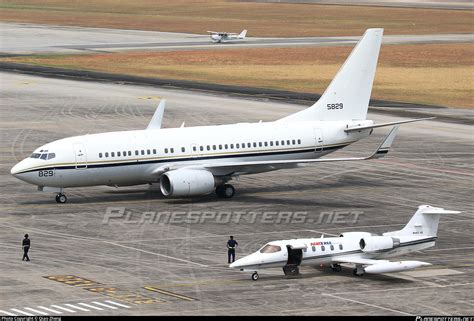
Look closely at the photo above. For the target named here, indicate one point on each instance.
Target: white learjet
(190, 161)
(366, 251)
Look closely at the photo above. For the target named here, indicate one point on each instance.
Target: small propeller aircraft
(218, 37)
(367, 252)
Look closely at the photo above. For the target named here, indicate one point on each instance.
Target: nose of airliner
(19, 167)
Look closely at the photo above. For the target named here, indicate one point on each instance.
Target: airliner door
(81, 156)
(318, 140)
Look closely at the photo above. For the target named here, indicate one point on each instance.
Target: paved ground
(19, 38)
(79, 264)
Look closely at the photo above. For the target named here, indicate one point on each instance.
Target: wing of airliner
(236, 168)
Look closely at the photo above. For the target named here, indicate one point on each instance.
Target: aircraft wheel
(225, 191)
(356, 272)
(336, 268)
(61, 198)
(255, 276)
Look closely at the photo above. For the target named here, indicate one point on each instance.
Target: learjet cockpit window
(270, 249)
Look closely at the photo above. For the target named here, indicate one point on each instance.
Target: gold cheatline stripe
(197, 156)
(179, 296)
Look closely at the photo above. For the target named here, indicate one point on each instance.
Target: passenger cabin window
(183, 149)
(100, 155)
(270, 249)
(294, 142)
(129, 153)
(136, 152)
(340, 247)
(194, 148)
(172, 150)
(314, 248)
(106, 154)
(143, 152)
(118, 154)
(148, 152)
(332, 247)
(112, 154)
(166, 150)
(299, 141)
(323, 248)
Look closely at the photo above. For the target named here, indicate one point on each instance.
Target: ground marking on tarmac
(118, 304)
(175, 295)
(63, 308)
(22, 312)
(36, 312)
(76, 307)
(50, 310)
(91, 306)
(7, 313)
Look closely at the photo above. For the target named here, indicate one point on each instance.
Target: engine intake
(378, 243)
(187, 182)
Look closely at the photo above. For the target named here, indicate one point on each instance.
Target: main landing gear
(61, 198)
(225, 191)
(358, 271)
(336, 267)
(255, 276)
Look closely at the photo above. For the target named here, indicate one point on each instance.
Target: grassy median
(261, 19)
(437, 74)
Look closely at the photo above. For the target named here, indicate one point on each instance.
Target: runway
(83, 264)
(23, 39)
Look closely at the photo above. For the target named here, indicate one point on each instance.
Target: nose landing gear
(255, 276)
(61, 198)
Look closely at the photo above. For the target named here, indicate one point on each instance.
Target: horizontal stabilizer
(355, 128)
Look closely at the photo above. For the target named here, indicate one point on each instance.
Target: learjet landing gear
(255, 276)
(61, 198)
(225, 191)
(358, 271)
(336, 267)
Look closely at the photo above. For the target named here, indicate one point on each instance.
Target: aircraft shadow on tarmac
(243, 194)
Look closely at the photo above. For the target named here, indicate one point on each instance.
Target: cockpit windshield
(270, 249)
(43, 154)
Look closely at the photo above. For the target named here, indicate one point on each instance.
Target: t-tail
(423, 223)
(348, 95)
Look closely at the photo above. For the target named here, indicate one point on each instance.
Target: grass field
(441, 74)
(261, 19)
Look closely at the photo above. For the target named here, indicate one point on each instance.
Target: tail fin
(348, 95)
(243, 34)
(423, 223)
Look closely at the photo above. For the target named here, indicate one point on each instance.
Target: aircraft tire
(61, 198)
(255, 276)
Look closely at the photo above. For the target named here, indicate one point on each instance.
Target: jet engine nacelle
(187, 182)
(394, 266)
(378, 243)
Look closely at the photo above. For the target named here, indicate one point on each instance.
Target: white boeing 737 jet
(366, 251)
(200, 160)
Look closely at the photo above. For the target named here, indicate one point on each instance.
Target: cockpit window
(43, 155)
(270, 249)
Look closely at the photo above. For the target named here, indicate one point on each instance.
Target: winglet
(386, 144)
(155, 122)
